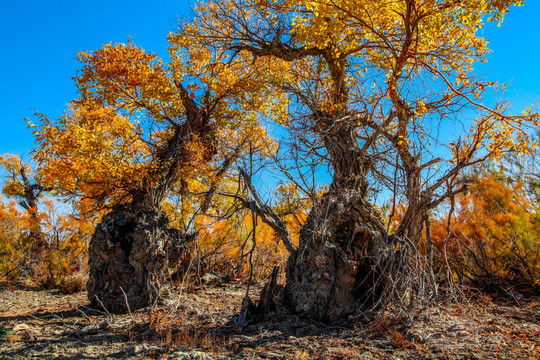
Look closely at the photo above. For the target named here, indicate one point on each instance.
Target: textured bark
(271, 294)
(343, 247)
(132, 251)
(337, 268)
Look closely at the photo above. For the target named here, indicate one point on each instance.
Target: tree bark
(337, 268)
(132, 251)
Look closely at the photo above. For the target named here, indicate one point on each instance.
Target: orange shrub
(495, 236)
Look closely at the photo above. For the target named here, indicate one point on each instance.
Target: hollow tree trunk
(133, 250)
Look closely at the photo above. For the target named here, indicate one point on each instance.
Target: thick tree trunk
(343, 246)
(132, 252)
(336, 269)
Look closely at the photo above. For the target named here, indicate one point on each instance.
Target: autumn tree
(42, 242)
(25, 186)
(140, 128)
(370, 87)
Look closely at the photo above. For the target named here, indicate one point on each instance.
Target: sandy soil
(38, 324)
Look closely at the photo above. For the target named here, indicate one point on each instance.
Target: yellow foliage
(39, 241)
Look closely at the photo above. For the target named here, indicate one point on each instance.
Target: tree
(25, 186)
(369, 85)
(41, 243)
(138, 128)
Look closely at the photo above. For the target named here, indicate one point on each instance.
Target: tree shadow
(276, 328)
(65, 334)
(45, 315)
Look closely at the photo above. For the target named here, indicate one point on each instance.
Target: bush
(495, 236)
(73, 283)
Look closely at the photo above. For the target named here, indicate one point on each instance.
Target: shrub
(495, 235)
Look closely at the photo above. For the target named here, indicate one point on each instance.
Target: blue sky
(40, 40)
(39, 43)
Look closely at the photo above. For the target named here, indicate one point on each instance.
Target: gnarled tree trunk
(134, 249)
(343, 249)
(132, 252)
(336, 269)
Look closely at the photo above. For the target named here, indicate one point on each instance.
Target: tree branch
(267, 214)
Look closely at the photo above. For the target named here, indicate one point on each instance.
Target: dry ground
(47, 325)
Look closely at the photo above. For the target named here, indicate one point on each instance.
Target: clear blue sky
(40, 40)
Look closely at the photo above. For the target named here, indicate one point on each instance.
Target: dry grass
(74, 283)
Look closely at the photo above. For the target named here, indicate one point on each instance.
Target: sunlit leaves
(393, 78)
(127, 78)
(107, 145)
(12, 164)
(92, 151)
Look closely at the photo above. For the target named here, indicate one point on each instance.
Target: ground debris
(91, 329)
(193, 355)
(48, 325)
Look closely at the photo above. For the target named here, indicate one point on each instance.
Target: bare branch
(267, 214)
